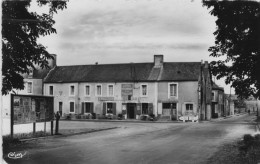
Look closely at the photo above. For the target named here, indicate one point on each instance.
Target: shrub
(93, 115)
(143, 117)
(120, 116)
(249, 148)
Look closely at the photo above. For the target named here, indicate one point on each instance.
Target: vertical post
(12, 115)
(230, 101)
(34, 128)
(45, 122)
(52, 127)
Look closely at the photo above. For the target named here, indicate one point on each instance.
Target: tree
(20, 31)
(237, 39)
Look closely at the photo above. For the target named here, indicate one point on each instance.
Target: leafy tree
(20, 31)
(237, 39)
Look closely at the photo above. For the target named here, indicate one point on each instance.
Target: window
(30, 73)
(29, 87)
(220, 97)
(50, 90)
(98, 90)
(144, 108)
(87, 90)
(72, 90)
(169, 105)
(189, 106)
(110, 90)
(109, 107)
(143, 90)
(213, 96)
(173, 90)
(72, 107)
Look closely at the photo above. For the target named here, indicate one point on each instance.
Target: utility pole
(230, 100)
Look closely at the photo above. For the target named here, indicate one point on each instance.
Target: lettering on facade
(126, 91)
(105, 98)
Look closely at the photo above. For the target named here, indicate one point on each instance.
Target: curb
(227, 117)
(128, 121)
(66, 135)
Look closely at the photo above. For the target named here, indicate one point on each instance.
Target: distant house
(33, 84)
(218, 101)
(133, 89)
(251, 104)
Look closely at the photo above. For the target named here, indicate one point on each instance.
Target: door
(131, 107)
(60, 108)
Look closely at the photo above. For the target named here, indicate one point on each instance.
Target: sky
(124, 31)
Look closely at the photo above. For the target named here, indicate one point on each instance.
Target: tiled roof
(177, 71)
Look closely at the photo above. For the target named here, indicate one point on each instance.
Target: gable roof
(138, 72)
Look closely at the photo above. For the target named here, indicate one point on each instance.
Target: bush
(143, 117)
(249, 148)
(151, 117)
(120, 116)
(94, 115)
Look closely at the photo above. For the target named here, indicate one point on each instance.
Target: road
(140, 143)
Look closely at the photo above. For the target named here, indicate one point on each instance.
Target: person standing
(57, 116)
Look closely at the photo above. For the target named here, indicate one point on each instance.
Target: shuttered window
(144, 108)
(109, 107)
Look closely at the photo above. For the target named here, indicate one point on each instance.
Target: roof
(216, 87)
(38, 73)
(129, 72)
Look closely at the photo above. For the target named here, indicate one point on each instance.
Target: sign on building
(126, 91)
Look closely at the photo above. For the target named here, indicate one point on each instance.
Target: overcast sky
(124, 31)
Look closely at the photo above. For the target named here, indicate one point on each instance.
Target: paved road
(140, 143)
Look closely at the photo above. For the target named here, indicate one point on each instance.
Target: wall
(187, 93)
(61, 94)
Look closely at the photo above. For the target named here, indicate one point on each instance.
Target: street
(140, 143)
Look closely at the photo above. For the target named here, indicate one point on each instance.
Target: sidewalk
(69, 132)
(223, 118)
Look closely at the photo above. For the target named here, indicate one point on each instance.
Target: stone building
(218, 101)
(161, 88)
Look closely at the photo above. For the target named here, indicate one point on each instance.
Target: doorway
(60, 108)
(131, 110)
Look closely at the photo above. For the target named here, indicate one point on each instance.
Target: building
(133, 89)
(218, 101)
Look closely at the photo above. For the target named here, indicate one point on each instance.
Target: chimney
(158, 60)
(52, 62)
(206, 64)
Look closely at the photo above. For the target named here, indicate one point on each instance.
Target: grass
(10, 143)
(245, 151)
